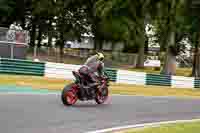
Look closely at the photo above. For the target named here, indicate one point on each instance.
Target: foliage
(6, 11)
(171, 17)
(113, 20)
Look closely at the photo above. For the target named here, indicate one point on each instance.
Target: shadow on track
(89, 104)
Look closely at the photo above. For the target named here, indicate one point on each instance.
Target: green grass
(193, 127)
(37, 82)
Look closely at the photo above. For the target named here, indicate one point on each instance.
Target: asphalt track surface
(46, 113)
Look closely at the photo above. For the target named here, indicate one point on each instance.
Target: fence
(64, 71)
(113, 59)
(14, 36)
(13, 43)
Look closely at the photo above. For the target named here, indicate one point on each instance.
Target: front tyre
(69, 94)
(102, 96)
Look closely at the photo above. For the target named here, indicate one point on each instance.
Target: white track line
(142, 126)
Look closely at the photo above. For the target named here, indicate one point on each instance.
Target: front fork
(104, 84)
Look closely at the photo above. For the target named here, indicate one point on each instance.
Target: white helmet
(100, 56)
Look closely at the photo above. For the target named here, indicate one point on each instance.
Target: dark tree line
(113, 20)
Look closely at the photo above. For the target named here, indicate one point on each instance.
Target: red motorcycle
(81, 90)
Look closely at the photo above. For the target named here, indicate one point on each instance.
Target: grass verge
(193, 127)
(58, 84)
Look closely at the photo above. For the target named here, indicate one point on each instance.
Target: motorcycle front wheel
(102, 96)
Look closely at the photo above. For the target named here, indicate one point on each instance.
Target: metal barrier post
(12, 51)
(35, 51)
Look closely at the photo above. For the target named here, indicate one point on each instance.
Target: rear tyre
(69, 95)
(101, 97)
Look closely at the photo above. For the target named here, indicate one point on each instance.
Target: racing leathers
(93, 67)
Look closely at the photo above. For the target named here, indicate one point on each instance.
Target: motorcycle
(81, 90)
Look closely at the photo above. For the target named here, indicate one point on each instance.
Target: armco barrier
(182, 82)
(112, 74)
(197, 83)
(161, 80)
(64, 71)
(137, 78)
(15, 66)
(57, 70)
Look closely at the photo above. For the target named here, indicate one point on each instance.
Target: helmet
(100, 56)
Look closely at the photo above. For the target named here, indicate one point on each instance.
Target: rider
(93, 68)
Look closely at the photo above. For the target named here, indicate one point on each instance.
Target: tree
(70, 22)
(194, 32)
(135, 15)
(95, 22)
(6, 12)
(68, 18)
(168, 22)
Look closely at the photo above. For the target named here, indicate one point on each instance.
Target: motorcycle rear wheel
(69, 95)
